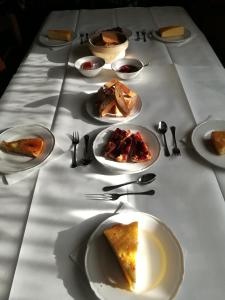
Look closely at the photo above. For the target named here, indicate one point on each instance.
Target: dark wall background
(21, 19)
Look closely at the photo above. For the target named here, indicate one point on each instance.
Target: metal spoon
(144, 179)
(162, 128)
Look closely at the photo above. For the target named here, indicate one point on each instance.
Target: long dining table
(44, 216)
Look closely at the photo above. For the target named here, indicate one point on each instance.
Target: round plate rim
(131, 127)
(209, 126)
(38, 162)
(142, 214)
(187, 35)
(112, 120)
(43, 39)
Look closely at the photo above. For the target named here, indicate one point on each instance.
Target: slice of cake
(124, 241)
(31, 147)
(140, 151)
(113, 148)
(171, 31)
(59, 34)
(218, 141)
(110, 38)
(115, 99)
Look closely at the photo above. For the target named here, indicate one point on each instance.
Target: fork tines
(99, 196)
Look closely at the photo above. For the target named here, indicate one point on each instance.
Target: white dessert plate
(10, 163)
(149, 137)
(160, 263)
(44, 40)
(156, 35)
(109, 118)
(201, 141)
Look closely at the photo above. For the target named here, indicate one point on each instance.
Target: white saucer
(156, 35)
(201, 141)
(44, 40)
(160, 264)
(109, 118)
(149, 137)
(10, 163)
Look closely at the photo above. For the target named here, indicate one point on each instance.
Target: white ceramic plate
(160, 264)
(201, 141)
(44, 40)
(92, 111)
(10, 163)
(149, 137)
(156, 35)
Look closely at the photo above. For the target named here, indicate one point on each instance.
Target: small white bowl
(89, 66)
(127, 68)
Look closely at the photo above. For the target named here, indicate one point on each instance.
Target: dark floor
(20, 20)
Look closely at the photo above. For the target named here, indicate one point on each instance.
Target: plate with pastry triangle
(114, 103)
(208, 139)
(126, 148)
(140, 258)
(24, 147)
(57, 37)
(171, 34)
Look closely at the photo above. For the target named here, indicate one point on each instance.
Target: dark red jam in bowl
(128, 69)
(88, 65)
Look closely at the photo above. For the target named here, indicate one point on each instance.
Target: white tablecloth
(177, 87)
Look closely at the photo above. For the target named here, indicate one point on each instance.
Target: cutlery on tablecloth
(144, 35)
(162, 128)
(142, 180)
(87, 155)
(81, 38)
(138, 36)
(112, 197)
(176, 150)
(87, 37)
(75, 142)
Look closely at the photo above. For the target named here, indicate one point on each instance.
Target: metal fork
(115, 196)
(87, 37)
(144, 35)
(138, 36)
(75, 142)
(176, 150)
(81, 38)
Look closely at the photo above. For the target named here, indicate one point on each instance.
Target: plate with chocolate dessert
(114, 103)
(126, 148)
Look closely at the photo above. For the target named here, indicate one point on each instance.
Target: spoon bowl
(162, 129)
(141, 180)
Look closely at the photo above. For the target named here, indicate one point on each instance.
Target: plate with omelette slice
(140, 259)
(57, 37)
(24, 147)
(171, 34)
(114, 103)
(208, 139)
